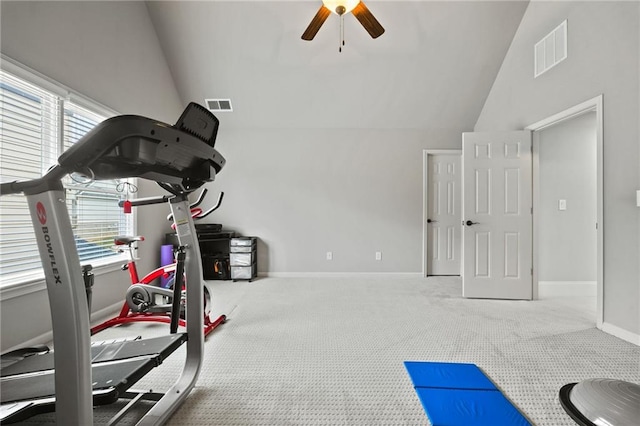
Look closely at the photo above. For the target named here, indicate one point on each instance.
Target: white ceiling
(431, 69)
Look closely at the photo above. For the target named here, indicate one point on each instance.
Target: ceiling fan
(341, 8)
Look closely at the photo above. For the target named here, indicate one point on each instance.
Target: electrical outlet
(329, 255)
(562, 204)
(378, 255)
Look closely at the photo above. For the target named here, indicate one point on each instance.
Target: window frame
(33, 281)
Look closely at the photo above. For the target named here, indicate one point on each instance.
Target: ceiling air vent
(217, 105)
(551, 50)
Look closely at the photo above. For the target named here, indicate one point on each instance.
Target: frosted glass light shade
(333, 4)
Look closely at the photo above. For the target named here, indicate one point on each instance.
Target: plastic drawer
(241, 259)
(243, 272)
(243, 241)
(242, 249)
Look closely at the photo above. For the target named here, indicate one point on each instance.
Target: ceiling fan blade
(317, 21)
(368, 21)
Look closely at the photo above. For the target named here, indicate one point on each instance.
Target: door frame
(425, 199)
(594, 104)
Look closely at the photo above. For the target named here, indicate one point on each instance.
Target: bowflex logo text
(42, 217)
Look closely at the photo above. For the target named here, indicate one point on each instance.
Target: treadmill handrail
(180, 158)
(50, 180)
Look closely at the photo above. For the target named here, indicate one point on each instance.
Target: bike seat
(124, 239)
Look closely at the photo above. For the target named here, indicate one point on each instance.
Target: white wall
(568, 238)
(604, 47)
(350, 191)
(107, 51)
(324, 149)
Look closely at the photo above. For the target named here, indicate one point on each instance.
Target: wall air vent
(218, 105)
(551, 50)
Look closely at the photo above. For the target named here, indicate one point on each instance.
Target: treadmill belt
(117, 375)
(162, 346)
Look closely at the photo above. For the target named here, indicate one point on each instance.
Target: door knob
(469, 223)
(431, 221)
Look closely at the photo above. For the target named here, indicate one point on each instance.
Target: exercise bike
(149, 302)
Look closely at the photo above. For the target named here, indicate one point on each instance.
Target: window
(36, 126)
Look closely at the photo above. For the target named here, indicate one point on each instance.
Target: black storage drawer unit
(243, 258)
(214, 249)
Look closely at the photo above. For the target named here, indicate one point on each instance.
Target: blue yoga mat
(455, 394)
(447, 375)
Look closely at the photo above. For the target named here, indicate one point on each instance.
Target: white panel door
(497, 215)
(443, 214)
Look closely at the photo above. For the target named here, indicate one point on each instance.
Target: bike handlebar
(146, 201)
(201, 215)
(160, 200)
(214, 208)
(200, 198)
(164, 198)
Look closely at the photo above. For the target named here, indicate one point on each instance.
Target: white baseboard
(621, 333)
(547, 289)
(341, 274)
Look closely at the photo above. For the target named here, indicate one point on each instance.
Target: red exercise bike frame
(127, 315)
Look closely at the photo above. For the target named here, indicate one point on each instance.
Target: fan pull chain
(341, 33)
(340, 10)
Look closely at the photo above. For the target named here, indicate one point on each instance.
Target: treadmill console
(134, 146)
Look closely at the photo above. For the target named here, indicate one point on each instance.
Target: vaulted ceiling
(432, 68)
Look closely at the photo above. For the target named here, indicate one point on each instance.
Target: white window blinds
(36, 126)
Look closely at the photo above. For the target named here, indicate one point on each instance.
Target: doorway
(567, 198)
(442, 212)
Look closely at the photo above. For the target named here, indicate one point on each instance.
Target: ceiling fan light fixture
(342, 7)
(333, 5)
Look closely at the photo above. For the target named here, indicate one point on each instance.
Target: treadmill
(76, 376)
